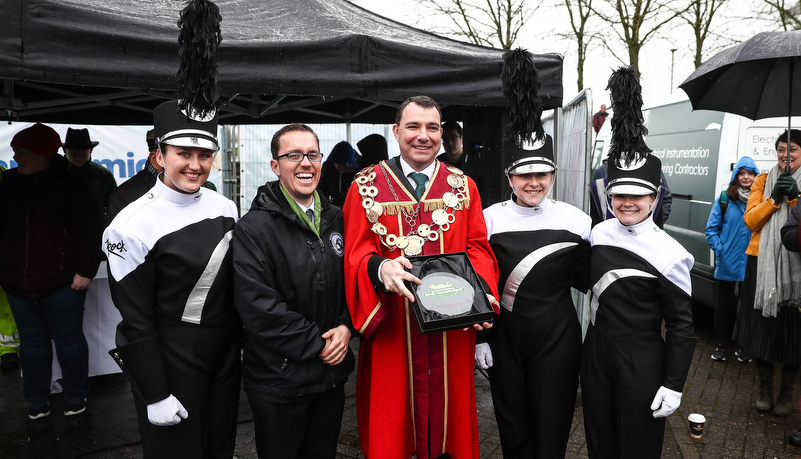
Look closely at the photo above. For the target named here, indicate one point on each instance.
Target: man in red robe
(415, 393)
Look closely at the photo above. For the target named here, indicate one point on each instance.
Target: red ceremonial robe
(415, 393)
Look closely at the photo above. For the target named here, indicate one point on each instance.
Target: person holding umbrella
(769, 318)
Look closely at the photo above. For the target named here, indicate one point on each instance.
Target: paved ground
(723, 392)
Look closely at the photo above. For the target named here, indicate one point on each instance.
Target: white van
(698, 150)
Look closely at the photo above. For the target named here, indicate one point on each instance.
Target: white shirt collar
(407, 169)
(304, 208)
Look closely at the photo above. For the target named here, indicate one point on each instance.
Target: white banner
(122, 149)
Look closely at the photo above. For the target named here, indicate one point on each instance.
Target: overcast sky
(539, 36)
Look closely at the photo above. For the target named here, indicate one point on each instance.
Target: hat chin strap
(650, 210)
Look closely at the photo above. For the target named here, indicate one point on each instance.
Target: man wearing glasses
(452, 143)
(289, 289)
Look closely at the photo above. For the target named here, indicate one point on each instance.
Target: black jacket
(289, 289)
(130, 191)
(50, 229)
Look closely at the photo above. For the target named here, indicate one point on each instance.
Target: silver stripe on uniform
(523, 268)
(607, 279)
(197, 297)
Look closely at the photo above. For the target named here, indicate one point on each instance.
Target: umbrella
(754, 79)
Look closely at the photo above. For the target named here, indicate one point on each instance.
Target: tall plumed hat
(530, 148)
(632, 169)
(191, 121)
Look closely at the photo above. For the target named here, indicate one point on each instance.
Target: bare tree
(700, 15)
(579, 12)
(483, 22)
(635, 22)
(788, 12)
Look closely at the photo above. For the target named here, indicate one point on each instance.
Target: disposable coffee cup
(696, 425)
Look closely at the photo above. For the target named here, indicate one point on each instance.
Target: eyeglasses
(298, 157)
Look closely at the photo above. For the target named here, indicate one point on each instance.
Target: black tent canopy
(113, 61)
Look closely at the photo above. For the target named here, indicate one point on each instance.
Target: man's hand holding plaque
(447, 292)
(394, 273)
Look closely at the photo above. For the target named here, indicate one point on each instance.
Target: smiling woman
(636, 269)
(542, 247)
(630, 210)
(185, 168)
(170, 275)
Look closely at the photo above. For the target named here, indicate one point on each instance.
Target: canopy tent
(113, 61)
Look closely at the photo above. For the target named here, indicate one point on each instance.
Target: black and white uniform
(542, 252)
(640, 277)
(170, 273)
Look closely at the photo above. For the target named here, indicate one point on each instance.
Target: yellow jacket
(758, 210)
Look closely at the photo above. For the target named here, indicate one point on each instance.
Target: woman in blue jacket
(728, 237)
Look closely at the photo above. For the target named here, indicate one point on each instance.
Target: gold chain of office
(443, 211)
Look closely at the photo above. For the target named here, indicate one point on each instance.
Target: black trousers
(290, 428)
(619, 379)
(534, 380)
(204, 373)
(726, 310)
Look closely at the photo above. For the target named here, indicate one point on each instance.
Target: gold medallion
(423, 230)
(455, 181)
(372, 191)
(379, 229)
(439, 217)
(367, 203)
(450, 199)
(455, 170)
(401, 242)
(414, 246)
(377, 208)
(362, 180)
(374, 212)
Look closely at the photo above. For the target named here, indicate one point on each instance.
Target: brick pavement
(723, 392)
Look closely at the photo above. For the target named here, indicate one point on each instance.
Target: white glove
(167, 412)
(483, 356)
(669, 401)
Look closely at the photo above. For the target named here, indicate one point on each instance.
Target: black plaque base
(451, 297)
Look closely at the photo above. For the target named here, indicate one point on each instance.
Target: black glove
(783, 187)
(792, 192)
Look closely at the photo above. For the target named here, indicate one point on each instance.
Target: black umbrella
(754, 79)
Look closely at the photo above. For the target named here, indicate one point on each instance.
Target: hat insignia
(633, 166)
(533, 144)
(193, 114)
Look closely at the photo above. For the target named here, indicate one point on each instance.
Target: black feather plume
(627, 144)
(520, 86)
(198, 42)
